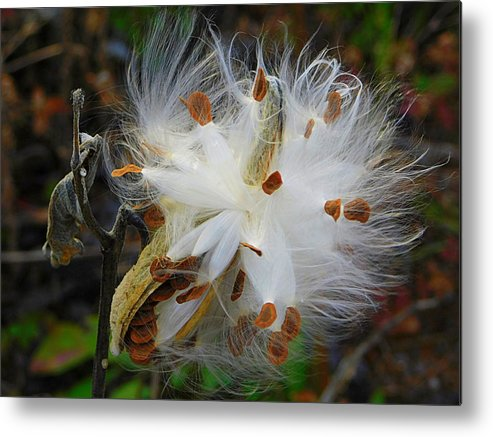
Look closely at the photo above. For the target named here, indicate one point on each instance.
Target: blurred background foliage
(406, 354)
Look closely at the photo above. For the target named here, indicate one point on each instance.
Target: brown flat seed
(334, 102)
(345, 248)
(278, 348)
(252, 248)
(141, 362)
(153, 218)
(179, 282)
(143, 318)
(333, 208)
(292, 323)
(267, 315)
(148, 305)
(160, 269)
(143, 334)
(162, 293)
(309, 128)
(272, 183)
(238, 286)
(190, 264)
(235, 345)
(199, 106)
(357, 209)
(193, 294)
(141, 353)
(129, 168)
(260, 86)
(246, 330)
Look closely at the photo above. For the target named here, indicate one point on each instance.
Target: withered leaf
(64, 214)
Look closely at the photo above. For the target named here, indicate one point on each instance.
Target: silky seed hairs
(278, 204)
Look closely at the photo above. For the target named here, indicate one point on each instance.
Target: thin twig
(138, 223)
(33, 57)
(28, 29)
(111, 248)
(79, 173)
(109, 271)
(155, 383)
(349, 364)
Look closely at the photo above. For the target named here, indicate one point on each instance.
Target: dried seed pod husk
(131, 294)
(138, 294)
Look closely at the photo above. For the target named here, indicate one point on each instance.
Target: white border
(62, 417)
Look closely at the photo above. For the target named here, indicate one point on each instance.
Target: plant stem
(111, 255)
(111, 247)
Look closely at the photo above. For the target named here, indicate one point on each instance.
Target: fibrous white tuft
(285, 203)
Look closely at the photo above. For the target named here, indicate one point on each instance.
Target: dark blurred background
(409, 353)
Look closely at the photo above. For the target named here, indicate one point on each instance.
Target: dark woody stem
(111, 247)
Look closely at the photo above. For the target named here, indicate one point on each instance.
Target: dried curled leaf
(64, 214)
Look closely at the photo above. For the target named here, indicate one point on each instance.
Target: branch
(109, 276)
(138, 223)
(111, 245)
(348, 365)
(80, 172)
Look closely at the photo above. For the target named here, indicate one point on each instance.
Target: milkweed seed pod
(285, 203)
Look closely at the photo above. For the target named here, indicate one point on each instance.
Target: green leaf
(212, 381)
(66, 346)
(438, 84)
(296, 366)
(129, 390)
(24, 332)
(81, 390)
(251, 391)
(179, 377)
(377, 397)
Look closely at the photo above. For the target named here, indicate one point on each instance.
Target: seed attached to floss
(272, 183)
(357, 209)
(199, 106)
(235, 345)
(143, 334)
(148, 305)
(260, 86)
(309, 128)
(193, 294)
(141, 353)
(140, 335)
(238, 286)
(333, 208)
(241, 335)
(163, 293)
(347, 249)
(292, 323)
(129, 168)
(334, 102)
(160, 269)
(252, 248)
(153, 218)
(179, 282)
(267, 315)
(143, 318)
(278, 348)
(246, 329)
(190, 264)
